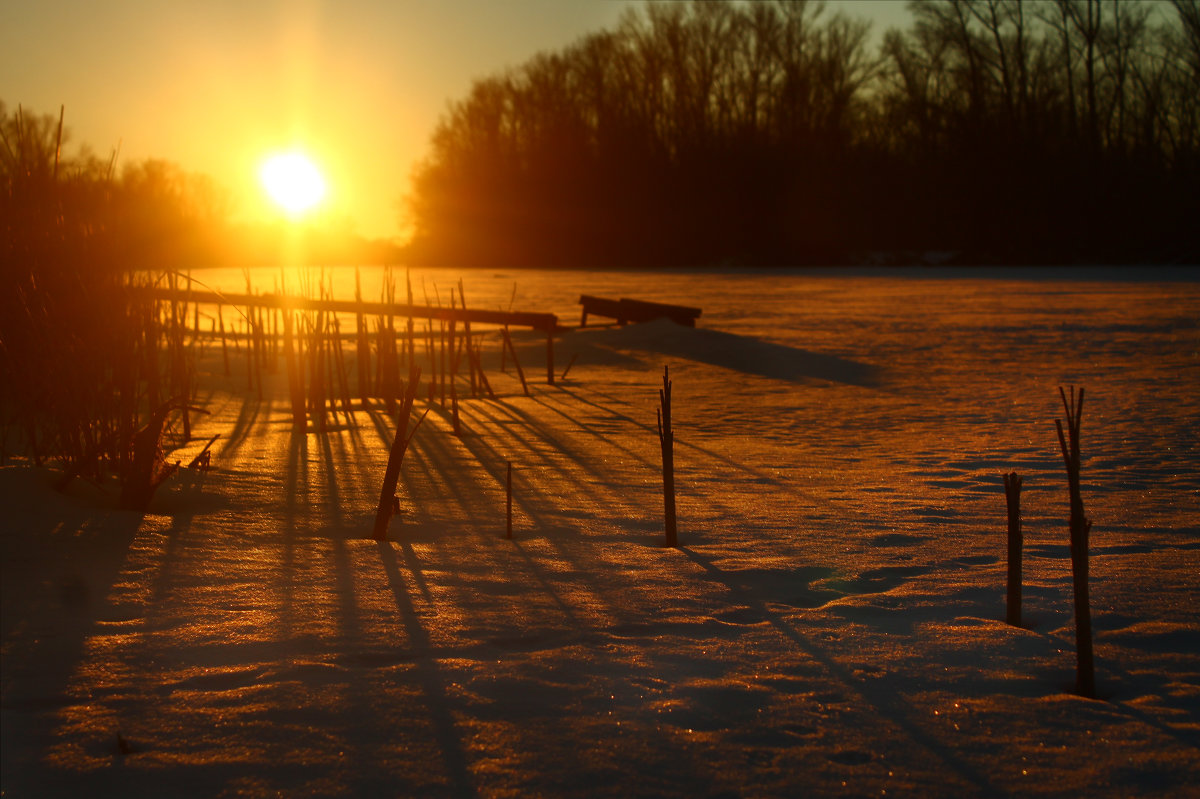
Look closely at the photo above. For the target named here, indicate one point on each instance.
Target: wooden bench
(626, 310)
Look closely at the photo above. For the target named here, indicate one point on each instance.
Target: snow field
(831, 624)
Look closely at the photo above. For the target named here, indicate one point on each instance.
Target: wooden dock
(545, 322)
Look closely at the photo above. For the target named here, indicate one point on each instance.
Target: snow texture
(832, 623)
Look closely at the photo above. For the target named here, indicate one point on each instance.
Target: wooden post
(508, 502)
(1012, 492)
(391, 476)
(1081, 527)
(666, 439)
(550, 355)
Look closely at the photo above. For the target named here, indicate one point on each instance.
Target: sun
(293, 182)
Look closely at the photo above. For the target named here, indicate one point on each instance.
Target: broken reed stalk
(1080, 527)
(462, 298)
(224, 346)
(362, 348)
(343, 373)
(569, 365)
(393, 360)
(508, 502)
(412, 346)
(1012, 492)
(444, 363)
(431, 351)
(666, 439)
(332, 371)
(487, 385)
(513, 352)
(391, 476)
(316, 374)
(453, 355)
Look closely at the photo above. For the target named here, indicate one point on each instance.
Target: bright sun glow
(293, 181)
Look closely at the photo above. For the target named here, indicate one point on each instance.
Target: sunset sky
(218, 87)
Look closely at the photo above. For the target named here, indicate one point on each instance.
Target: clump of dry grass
(87, 361)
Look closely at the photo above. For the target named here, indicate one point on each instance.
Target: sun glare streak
(293, 182)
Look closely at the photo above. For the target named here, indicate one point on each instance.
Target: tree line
(776, 133)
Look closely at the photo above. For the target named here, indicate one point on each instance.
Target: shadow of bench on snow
(728, 350)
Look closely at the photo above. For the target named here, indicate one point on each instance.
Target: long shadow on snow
(89, 550)
(728, 350)
(432, 682)
(884, 701)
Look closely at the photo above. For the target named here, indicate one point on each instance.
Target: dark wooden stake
(1081, 527)
(508, 492)
(1012, 492)
(391, 476)
(666, 439)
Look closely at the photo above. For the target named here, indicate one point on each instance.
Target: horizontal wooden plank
(629, 310)
(662, 308)
(537, 321)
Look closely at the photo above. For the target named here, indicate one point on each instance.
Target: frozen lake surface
(832, 623)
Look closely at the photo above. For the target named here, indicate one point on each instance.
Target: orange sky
(217, 86)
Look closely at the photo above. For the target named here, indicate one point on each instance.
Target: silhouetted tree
(769, 133)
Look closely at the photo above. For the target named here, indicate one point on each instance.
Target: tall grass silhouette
(91, 368)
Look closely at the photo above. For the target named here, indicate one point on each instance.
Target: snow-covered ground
(831, 624)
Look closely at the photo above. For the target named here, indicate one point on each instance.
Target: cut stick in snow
(1012, 492)
(666, 439)
(508, 502)
(391, 476)
(1081, 527)
(203, 459)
